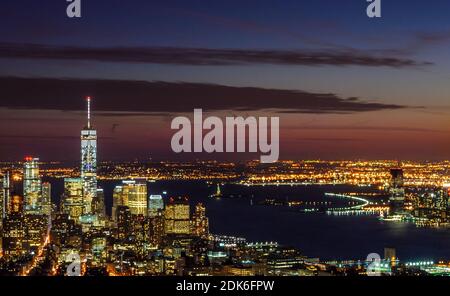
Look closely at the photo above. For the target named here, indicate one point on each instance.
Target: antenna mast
(88, 99)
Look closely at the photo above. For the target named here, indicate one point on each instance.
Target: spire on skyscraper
(88, 99)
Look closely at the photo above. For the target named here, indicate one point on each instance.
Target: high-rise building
(157, 229)
(155, 204)
(140, 230)
(16, 205)
(35, 230)
(123, 222)
(132, 194)
(98, 204)
(446, 194)
(65, 232)
(118, 200)
(13, 241)
(72, 203)
(200, 223)
(89, 161)
(177, 216)
(390, 255)
(32, 186)
(98, 249)
(6, 190)
(397, 190)
(2, 204)
(46, 199)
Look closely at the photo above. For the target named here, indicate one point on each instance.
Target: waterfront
(315, 234)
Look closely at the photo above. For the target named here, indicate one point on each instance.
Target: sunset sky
(344, 86)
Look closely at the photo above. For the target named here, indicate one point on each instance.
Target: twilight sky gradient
(344, 85)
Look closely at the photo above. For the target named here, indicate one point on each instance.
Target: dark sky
(344, 85)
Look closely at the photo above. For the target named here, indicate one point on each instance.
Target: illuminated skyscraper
(118, 200)
(16, 205)
(89, 161)
(157, 229)
(2, 204)
(13, 242)
(46, 199)
(200, 223)
(6, 190)
(132, 194)
(98, 204)
(72, 203)
(397, 190)
(65, 232)
(35, 230)
(32, 186)
(177, 216)
(123, 219)
(155, 204)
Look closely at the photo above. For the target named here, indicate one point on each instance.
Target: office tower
(64, 231)
(46, 199)
(35, 230)
(397, 198)
(98, 204)
(155, 204)
(32, 186)
(13, 241)
(132, 194)
(390, 254)
(118, 200)
(123, 222)
(2, 204)
(445, 193)
(157, 229)
(177, 216)
(140, 229)
(72, 203)
(98, 249)
(16, 205)
(200, 223)
(89, 161)
(137, 198)
(6, 189)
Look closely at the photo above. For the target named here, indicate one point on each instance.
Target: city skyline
(164, 234)
(330, 73)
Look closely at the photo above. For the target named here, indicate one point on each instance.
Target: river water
(315, 234)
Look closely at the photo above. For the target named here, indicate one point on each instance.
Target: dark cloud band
(204, 56)
(169, 97)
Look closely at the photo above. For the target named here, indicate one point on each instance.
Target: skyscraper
(2, 204)
(89, 161)
(72, 203)
(397, 190)
(98, 204)
(6, 195)
(32, 186)
(46, 199)
(132, 194)
(118, 200)
(123, 219)
(155, 204)
(177, 216)
(157, 229)
(13, 242)
(200, 223)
